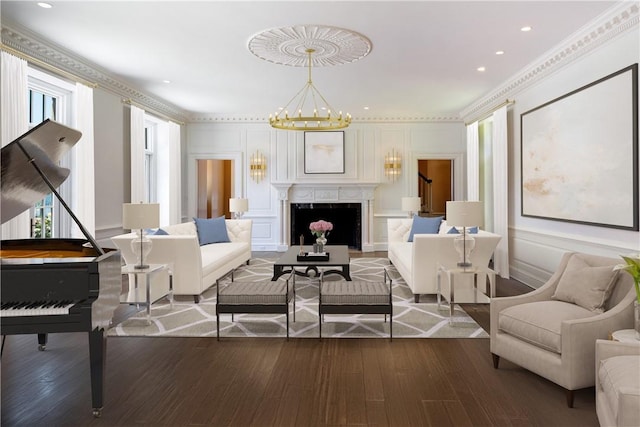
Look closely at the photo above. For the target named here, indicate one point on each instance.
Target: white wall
(536, 245)
(365, 148)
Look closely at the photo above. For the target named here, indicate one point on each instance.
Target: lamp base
(464, 264)
(141, 247)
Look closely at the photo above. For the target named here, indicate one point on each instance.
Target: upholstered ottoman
(269, 297)
(356, 297)
(618, 383)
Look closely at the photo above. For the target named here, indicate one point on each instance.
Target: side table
(461, 271)
(134, 295)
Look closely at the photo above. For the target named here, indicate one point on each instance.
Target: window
(50, 98)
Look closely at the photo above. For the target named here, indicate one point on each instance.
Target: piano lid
(22, 185)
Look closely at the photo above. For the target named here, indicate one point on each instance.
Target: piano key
(42, 309)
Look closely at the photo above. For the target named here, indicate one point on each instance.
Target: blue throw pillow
(160, 232)
(424, 225)
(470, 230)
(211, 230)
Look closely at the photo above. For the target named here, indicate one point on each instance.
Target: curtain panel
(14, 121)
(83, 201)
(473, 162)
(500, 192)
(137, 155)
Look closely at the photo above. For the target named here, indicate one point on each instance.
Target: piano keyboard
(35, 308)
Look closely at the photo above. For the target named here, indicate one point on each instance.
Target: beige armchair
(618, 383)
(552, 330)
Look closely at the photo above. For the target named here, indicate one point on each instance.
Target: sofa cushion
(424, 225)
(215, 256)
(620, 379)
(524, 322)
(211, 230)
(585, 285)
(183, 229)
(160, 232)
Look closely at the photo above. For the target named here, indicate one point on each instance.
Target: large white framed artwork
(579, 154)
(323, 152)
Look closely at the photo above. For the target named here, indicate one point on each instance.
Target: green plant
(632, 267)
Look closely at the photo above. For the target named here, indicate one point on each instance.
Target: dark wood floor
(271, 382)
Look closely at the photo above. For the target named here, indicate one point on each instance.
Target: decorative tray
(312, 256)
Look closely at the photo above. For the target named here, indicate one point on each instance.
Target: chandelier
(311, 111)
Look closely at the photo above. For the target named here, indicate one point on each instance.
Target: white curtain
(500, 192)
(175, 185)
(83, 202)
(137, 155)
(473, 162)
(14, 121)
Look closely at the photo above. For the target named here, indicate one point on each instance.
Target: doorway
(434, 185)
(213, 188)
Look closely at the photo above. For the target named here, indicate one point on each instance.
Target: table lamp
(464, 214)
(411, 205)
(238, 207)
(139, 216)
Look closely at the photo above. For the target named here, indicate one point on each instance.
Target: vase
(636, 318)
(321, 241)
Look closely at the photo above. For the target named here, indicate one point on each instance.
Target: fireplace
(345, 217)
(349, 206)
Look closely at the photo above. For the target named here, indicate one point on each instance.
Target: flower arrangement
(632, 267)
(321, 227)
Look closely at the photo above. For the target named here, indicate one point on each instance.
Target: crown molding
(616, 21)
(355, 120)
(31, 45)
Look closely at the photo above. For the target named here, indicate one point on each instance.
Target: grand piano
(53, 285)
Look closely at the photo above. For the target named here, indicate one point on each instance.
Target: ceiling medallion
(309, 45)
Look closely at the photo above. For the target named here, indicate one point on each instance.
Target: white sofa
(195, 268)
(618, 383)
(418, 261)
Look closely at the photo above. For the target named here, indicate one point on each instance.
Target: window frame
(63, 92)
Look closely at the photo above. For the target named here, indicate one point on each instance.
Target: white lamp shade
(411, 204)
(465, 214)
(140, 215)
(238, 205)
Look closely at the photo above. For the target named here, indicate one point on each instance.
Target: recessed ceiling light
(166, 81)
(481, 69)
(366, 108)
(45, 5)
(525, 29)
(500, 52)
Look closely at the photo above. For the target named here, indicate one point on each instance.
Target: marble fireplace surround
(289, 192)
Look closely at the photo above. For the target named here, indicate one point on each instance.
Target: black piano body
(38, 272)
(71, 272)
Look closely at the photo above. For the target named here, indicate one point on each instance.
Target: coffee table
(338, 257)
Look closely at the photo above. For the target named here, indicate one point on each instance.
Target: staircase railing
(425, 193)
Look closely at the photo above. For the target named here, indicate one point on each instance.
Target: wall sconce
(257, 166)
(238, 207)
(392, 165)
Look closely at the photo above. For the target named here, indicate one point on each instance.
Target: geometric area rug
(410, 320)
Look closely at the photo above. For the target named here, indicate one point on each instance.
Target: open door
(435, 185)
(214, 188)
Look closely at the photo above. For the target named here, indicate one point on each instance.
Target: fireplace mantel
(357, 192)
